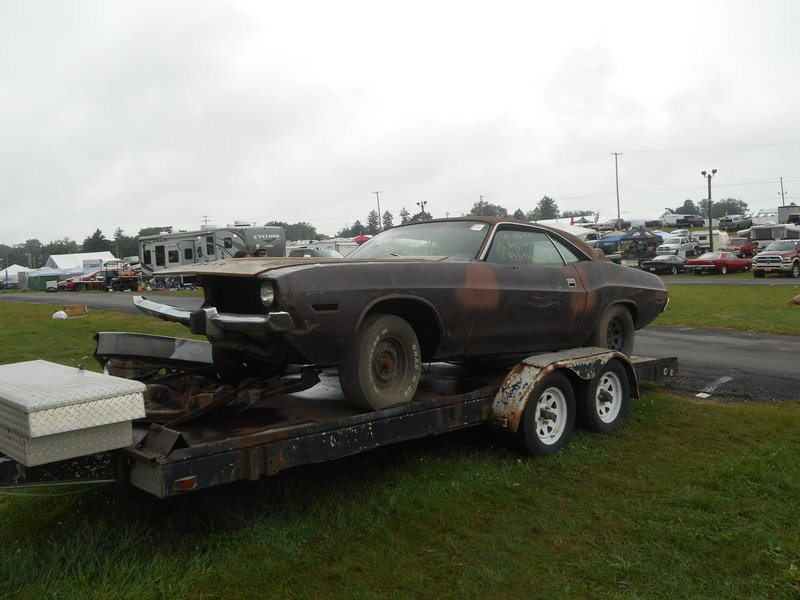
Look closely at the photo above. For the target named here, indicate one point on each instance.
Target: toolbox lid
(38, 385)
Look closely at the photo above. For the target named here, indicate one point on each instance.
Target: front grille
(238, 295)
(768, 261)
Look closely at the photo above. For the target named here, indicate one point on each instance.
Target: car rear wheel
(615, 330)
(549, 417)
(382, 368)
(674, 270)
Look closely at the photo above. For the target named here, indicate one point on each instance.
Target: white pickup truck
(674, 245)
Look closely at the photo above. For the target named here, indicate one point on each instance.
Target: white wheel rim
(608, 397)
(551, 414)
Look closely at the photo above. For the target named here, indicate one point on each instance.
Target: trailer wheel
(549, 417)
(607, 399)
(382, 368)
(615, 330)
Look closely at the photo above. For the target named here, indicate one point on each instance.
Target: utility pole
(783, 197)
(710, 231)
(380, 218)
(616, 177)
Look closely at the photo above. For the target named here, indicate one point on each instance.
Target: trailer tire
(615, 330)
(608, 395)
(382, 368)
(549, 417)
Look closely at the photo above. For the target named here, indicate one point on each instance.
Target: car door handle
(571, 282)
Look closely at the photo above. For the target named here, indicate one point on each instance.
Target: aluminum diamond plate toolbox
(50, 412)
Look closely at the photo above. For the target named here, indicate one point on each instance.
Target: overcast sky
(153, 113)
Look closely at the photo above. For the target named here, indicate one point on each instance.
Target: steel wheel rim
(388, 363)
(551, 414)
(608, 397)
(615, 336)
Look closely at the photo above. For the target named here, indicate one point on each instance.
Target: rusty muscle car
(466, 289)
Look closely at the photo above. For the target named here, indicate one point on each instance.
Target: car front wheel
(615, 330)
(382, 368)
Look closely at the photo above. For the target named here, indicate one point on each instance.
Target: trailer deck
(285, 430)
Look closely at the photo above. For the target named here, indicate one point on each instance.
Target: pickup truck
(740, 246)
(730, 222)
(781, 256)
(674, 245)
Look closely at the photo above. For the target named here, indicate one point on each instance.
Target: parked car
(665, 264)
(740, 247)
(673, 245)
(460, 289)
(731, 222)
(310, 252)
(690, 221)
(718, 262)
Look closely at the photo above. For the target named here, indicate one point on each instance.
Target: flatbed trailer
(201, 448)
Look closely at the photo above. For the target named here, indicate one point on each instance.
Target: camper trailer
(165, 251)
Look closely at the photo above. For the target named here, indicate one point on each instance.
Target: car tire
(549, 418)
(795, 270)
(674, 270)
(81, 287)
(605, 405)
(615, 330)
(723, 270)
(382, 368)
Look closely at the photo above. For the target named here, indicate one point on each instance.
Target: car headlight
(267, 293)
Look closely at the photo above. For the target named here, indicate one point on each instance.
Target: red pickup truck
(110, 279)
(740, 246)
(782, 257)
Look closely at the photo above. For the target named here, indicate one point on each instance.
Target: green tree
(31, 253)
(357, 229)
(519, 214)
(388, 220)
(421, 216)
(96, 242)
(373, 222)
(485, 209)
(548, 209)
(296, 231)
(63, 246)
(153, 231)
(405, 216)
(687, 208)
(728, 206)
(124, 245)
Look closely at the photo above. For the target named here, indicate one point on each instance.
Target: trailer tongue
(198, 432)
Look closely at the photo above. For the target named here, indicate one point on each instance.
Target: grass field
(688, 500)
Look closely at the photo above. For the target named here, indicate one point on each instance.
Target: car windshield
(782, 246)
(460, 239)
(665, 258)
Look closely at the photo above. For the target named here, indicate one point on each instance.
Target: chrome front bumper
(207, 321)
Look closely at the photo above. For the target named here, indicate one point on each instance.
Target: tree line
(33, 253)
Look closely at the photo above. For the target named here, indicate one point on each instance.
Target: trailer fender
(581, 365)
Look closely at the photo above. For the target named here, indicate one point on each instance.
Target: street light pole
(616, 177)
(421, 205)
(710, 233)
(380, 218)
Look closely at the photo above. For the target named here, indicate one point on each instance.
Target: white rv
(170, 250)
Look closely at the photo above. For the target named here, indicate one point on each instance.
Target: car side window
(516, 247)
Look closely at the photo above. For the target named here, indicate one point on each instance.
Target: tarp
(11, 274)
(75, 261)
